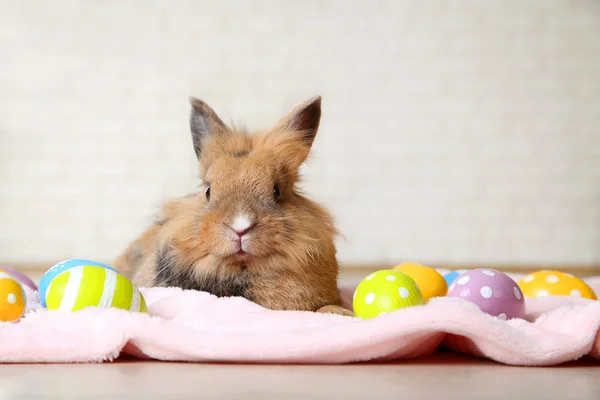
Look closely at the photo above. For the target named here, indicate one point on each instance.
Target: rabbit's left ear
(303, 121)
(297, 129)
(204, 123)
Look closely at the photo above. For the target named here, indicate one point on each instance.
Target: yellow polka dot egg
(555, 283)
(75, 285)
(13, 300)
(430, 282)
(383, 292)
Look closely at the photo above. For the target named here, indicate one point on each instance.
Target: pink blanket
(196, 326)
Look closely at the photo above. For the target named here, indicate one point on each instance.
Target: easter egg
(555, 283)
(93, 286)
(492, 291)
(383, 292)
(60, 268)
(430, 282)
(451, 276)
(21, 277)
(13, 301)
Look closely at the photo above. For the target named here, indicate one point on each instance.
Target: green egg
(383, 292)
(93, 286)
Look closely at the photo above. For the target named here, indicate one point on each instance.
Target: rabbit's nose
(241, 225)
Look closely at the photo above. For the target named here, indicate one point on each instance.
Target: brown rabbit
(249, 232)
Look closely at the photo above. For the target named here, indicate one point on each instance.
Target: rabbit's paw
(335, 310)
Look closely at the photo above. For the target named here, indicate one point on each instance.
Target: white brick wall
(453, 131)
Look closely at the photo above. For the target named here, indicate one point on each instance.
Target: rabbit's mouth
(239, 251)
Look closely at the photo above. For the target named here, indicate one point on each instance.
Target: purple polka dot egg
(494, 292)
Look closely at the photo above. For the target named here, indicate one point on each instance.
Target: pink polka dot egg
(494, 292)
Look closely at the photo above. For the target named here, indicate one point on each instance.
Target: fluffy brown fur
(249, 232)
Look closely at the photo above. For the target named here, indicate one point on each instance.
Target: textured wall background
(453, 131)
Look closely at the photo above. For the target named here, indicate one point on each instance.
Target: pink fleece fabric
(198, 327)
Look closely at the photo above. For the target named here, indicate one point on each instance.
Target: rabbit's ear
(303, 121)
(204, 123)
(294, 134)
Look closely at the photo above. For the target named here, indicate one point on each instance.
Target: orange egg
(13, 300)
(555, 283)
(430, 282)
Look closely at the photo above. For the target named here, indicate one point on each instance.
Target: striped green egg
(93, 286)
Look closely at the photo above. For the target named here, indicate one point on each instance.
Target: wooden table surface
(440, 376)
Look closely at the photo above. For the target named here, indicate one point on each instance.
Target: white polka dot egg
(383, 292)
(13, 300)
(494, 292)
(555, 283)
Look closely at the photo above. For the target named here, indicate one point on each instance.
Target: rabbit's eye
(276, 193)
(207, 193)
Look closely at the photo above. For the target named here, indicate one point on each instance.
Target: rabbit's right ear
(204, 123)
